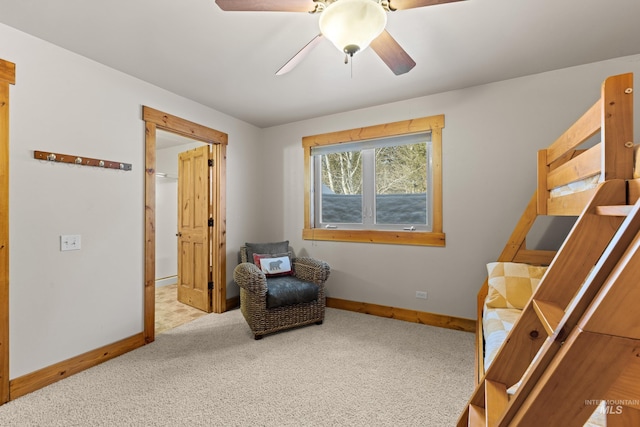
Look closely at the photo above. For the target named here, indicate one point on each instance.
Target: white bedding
(497, 322)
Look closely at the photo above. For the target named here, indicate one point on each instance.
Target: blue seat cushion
(288, 290)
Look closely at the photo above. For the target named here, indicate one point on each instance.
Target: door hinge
(210, 285)
(210, 162)
(210, 222)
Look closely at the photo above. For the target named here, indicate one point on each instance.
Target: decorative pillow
(266, 248)
(512, 284)
(273, 265)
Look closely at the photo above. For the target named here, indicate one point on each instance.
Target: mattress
(576, 186)
(496, 324)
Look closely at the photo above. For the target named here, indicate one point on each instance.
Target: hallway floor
(169, 312)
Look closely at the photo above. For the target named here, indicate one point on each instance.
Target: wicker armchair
(296, 307)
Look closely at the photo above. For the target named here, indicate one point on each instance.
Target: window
(376, 184)
(379, 184)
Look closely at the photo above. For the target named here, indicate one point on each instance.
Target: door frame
(155, 119)
(7, 78)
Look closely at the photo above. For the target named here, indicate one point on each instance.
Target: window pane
(401, 184)
(342, 187)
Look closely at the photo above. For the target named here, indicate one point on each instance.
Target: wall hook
(81, 161)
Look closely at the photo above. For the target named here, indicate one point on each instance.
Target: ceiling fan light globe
(351, 49)
(349, 23)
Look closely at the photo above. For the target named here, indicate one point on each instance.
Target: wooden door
(194, 239)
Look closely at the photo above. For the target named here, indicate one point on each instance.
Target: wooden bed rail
(562, 163)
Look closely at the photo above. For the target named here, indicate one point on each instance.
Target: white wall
(63, 304)
(490, 139)
(166, 226)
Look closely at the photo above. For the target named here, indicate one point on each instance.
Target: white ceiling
(228, 60)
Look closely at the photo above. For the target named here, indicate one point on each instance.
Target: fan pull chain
(346, 61)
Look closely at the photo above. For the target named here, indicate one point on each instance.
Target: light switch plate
(70, 242)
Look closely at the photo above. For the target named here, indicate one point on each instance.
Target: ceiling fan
(351, 25)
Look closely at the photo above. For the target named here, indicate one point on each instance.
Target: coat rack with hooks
(82, 161)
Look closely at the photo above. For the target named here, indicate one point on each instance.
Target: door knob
(178, 234)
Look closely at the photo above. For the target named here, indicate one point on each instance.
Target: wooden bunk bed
(585, 293)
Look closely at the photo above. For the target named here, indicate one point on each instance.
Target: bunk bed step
(627, 385)
(586, 365)
(618, 210)
(476, 416)
(623, 417)
(496, 400)
(549, 314)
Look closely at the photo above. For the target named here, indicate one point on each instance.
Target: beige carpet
(354, 370)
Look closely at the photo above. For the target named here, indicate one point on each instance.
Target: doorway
(158, 121)
(170, 312)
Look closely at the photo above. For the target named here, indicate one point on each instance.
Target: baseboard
(49, 375)
(432, 319)
(233, 302)
(166, 281)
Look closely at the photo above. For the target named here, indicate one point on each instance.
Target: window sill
(418, 238)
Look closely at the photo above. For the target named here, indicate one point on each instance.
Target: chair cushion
(266, 248)
(288, 290)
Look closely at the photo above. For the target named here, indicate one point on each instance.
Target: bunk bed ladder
(573, 341)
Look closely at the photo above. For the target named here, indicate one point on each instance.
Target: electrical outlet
(70, 242)
(421, 294)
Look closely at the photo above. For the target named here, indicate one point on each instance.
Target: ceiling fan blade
(392, 53)
(298, 57)
(267, 5)
(410, 4)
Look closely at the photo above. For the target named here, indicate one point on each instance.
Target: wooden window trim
(436, 237)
